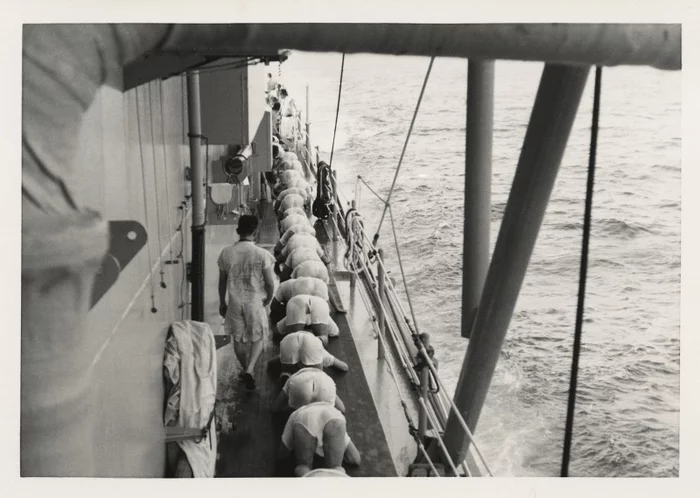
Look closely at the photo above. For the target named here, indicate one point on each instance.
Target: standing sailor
(246, 274)
(288, 111)
(271, 85)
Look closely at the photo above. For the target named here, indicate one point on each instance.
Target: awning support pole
(477, 188)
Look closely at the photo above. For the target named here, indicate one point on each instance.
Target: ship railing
(303, 143)
(400, 333)
(300, 144)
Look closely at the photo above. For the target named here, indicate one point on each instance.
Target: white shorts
(302, 347)
(290, 156)
(293, 210)
(246, 322)
(318, 329)
(309, 385)
(292, 220)
(291, 201)
(313, 269)
(306, 309)
(313, 418)
(289, 175)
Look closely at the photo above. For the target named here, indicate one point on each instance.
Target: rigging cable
(165, 168)
(406, 358)
(582, 277)
(145, 202)
(411, 426)
(359, 192)
(155, 185)
(403, 354)
(405, 145)
(403, 274)
(337, 109)
(423, 352)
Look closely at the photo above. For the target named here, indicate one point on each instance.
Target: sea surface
(627, 412)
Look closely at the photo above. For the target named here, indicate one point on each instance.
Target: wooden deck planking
(250, 449)
(361, 415)
(363, 423)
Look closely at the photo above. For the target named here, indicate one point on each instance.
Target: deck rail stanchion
(348, 230)
(338, 205)
(336, 211)
(336, 229)
(308, 129)
(423, 412)
(335, 245)
(380, 311)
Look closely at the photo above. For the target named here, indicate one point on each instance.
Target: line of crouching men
(315, 434)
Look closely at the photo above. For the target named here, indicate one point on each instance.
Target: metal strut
(552, 117)
(477, 188)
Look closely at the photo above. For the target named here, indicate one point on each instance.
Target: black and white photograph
(351, 249)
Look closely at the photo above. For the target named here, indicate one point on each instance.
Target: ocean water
(627, 416)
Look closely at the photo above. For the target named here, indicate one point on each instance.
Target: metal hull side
(125, 339)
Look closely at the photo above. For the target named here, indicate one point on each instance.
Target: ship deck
(250, 448)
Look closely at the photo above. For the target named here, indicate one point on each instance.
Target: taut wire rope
(568, 433)
(145, 201)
